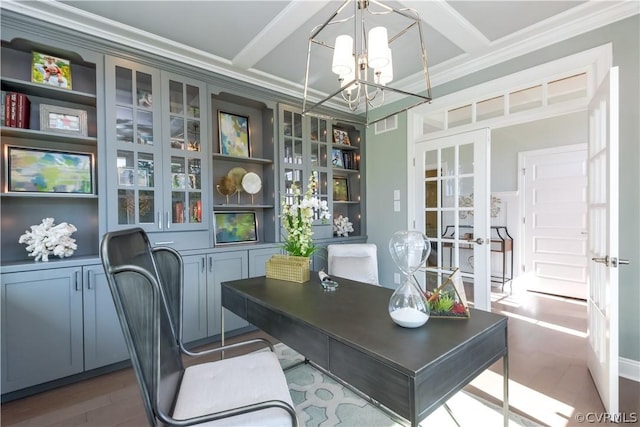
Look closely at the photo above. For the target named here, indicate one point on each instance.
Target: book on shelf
(16, 110)
(349, 160)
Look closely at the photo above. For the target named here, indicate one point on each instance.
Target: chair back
(171, 273)
(145, 319)
(355, 261)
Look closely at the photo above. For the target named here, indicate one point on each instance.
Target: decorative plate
(237, 174)
(251, 183)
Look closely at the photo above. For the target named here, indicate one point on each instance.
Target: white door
(555, 220)
(602, 301)
(452, 209)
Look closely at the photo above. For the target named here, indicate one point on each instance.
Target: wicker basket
(286, 267)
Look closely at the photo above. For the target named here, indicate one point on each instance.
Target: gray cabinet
(157, 139)
(194, 303)
(202, 277)
(333, 151)
(104, 342)
(224, 266)
(55, 323)
(41, 326)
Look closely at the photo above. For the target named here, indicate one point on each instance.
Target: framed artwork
(336, 158)
(340, 190)
(50, 70)
(63, 120)
(235, 227)
(341, 136)
(234, 134)
(34, 170)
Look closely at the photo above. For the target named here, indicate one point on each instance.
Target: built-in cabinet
(157, 153)
(333, 152)
(203, 276)
(55, 323)
(153, 131)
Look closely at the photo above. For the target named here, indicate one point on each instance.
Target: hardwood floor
(549, 380)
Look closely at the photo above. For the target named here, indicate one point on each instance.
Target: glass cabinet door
(185, 133)
(133, 134)
(320, 145)
(293, 160)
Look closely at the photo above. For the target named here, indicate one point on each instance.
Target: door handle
(602, 260)
(478, 241)
(617, 261)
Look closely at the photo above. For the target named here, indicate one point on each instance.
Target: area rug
(323, 402)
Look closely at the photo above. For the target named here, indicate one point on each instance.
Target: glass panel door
(453, 173)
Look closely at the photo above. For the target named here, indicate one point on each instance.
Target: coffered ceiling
(265, 42)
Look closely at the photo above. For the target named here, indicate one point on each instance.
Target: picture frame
(341, 136)
(340, 190)
(233, 131)
(27, 171)
(336, 158)
(235, 227)
(126, 176)
(57, 119)
(50, 70)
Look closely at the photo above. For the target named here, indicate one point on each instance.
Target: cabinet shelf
(348, 202)
(345, 147)
(237, 206)
(257, 160)
(338, 171)
(52, 195)
(49, 136)
(34, 89)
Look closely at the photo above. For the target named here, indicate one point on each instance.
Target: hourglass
(408, 306)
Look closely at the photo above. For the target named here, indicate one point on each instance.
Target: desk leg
(222, 330)
(505, 376)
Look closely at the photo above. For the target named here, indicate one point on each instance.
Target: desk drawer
(305, 340)
(385, 384)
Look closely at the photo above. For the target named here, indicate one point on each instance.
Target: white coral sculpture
(48, 239)
(342, 226)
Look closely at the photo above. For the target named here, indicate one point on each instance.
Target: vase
(408, 306)
(289, 267)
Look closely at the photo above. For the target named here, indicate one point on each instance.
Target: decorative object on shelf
(234, 134)
(227, 187)
(33, 170)
(16, 110)
(341, 136)
(340, 190)
(363, 78)
(50, 70)
(251, 183)
(48, 239)
(298, 213)
(336, 158)
(288, 267)
(63, 120)
(237, 174)
(449, 299)
(467, 202)
(235, 227)
(408, 306)
(342, 226)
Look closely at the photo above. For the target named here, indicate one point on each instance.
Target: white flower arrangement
(342, 226)
(48, 239)
(298, 213)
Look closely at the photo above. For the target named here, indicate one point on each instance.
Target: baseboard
(629, 369)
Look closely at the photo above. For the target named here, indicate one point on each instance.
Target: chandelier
(362, 59)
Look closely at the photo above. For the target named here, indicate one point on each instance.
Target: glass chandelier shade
(362, 58)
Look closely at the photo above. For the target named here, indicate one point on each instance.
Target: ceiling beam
(292, 17)
(447, 21)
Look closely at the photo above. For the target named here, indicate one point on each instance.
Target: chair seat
(229, 383)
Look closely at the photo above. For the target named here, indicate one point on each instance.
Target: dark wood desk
(349, 333)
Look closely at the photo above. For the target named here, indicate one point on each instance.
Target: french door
(452, 176)
(602, 301)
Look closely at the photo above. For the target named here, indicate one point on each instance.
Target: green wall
(387, 162)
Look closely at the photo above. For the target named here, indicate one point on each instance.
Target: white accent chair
(355, 261)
